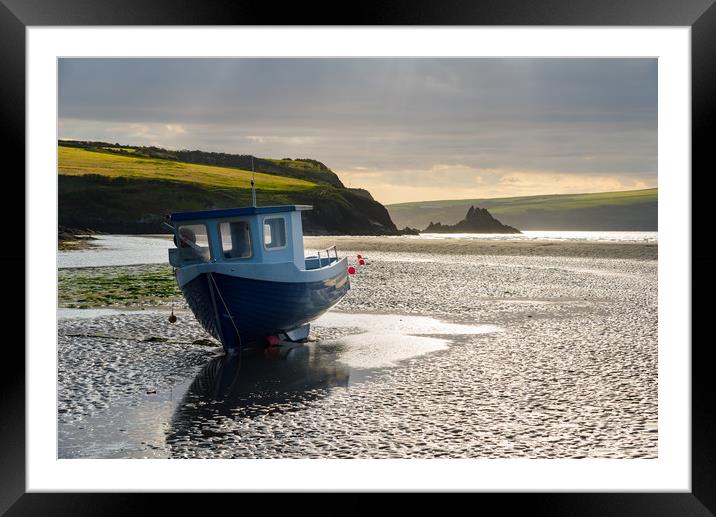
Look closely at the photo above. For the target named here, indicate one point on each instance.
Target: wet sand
(439, 353)
(537, 248)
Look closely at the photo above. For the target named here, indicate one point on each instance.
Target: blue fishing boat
(244, 275)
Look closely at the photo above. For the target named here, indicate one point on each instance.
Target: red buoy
(351, 270)
(361, 262)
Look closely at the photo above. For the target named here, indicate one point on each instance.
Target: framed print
(421, 258)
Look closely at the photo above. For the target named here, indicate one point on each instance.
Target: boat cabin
(266, 234)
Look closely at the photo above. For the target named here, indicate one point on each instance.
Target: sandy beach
(530, 248)
(464, 349)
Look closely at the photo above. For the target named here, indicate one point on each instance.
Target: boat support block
(299, 333)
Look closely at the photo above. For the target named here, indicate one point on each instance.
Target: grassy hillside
(80, 162)
(120, 193)
(299, 168)
(624, 210)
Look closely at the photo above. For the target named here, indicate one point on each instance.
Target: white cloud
(286, 140)
(175, 128)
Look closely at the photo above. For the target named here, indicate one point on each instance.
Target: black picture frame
(700, 15)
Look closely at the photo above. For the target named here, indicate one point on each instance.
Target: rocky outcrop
(74, 234)
(409, 231)
(477, 220)
(74, 238)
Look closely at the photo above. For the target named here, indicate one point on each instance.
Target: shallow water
(386, 339)
(118, 250)
(125, 250)
(428, 356)
(65, 313)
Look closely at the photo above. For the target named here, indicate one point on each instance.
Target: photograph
(357, 257)
(421, 248)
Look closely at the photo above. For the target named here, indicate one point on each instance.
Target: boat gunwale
(281, 272)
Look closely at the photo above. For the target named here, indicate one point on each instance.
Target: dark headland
(477, 220)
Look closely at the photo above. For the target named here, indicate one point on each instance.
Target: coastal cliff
(124, 189)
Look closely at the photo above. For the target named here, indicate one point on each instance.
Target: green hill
(131, 191)
(81, 162)
(624, 210)
(299, 168)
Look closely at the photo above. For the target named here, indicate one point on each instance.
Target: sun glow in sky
(406, 129)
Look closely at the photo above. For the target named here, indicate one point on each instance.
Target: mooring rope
(172, 317)
(211, 275)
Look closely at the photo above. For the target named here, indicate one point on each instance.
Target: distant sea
(549, 235)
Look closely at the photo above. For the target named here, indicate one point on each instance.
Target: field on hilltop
(81, 162)
(299, 168)
(622, 210)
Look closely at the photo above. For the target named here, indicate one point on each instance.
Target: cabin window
(274, 233)
(235, 239)
(193, 242)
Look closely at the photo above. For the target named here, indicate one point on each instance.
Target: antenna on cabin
(253, 188)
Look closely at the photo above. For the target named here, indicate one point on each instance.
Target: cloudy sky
(405, 129)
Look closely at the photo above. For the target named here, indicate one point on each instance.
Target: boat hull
(259, 308)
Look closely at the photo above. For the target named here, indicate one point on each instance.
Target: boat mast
(253, 188)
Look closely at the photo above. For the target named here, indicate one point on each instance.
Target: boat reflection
(258, 382)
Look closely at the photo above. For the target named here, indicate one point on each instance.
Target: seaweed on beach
(124, 286)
